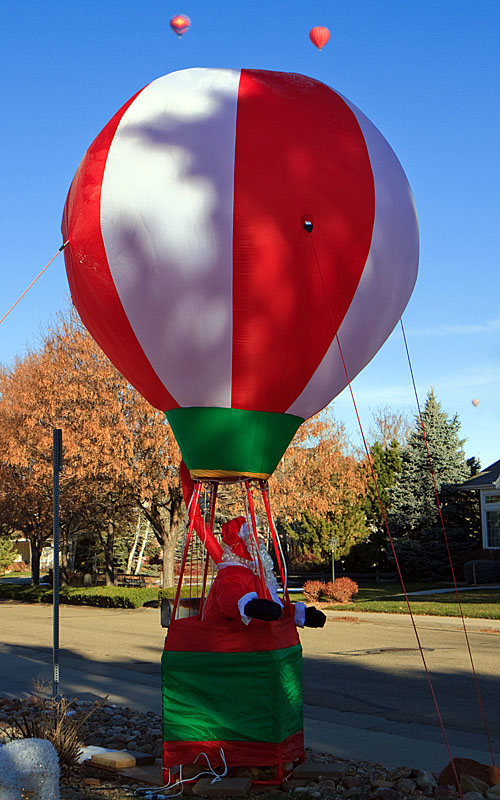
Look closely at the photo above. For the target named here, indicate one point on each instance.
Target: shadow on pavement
(399, 693)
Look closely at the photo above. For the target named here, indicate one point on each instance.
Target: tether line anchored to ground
(33, 282)
(445, 537)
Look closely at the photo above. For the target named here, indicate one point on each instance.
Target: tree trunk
(169, 544)
(166, 522)
(134, 546)
(63, 574)
(36, 552)
(174, 532)
(143, 547)
(109, 542)
(167, 572)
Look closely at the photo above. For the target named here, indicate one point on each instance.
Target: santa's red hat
(230, 536)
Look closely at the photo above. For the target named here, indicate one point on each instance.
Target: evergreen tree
(387, 463)
(7, 553)
(414, 507)
(312, 535)
(372, 553)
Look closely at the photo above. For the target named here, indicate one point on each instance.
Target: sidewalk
(361, 737)
(447, 591)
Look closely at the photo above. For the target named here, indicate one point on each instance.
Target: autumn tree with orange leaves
(317, 491)
(119, 453)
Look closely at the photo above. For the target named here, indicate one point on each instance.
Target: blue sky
(426, 73)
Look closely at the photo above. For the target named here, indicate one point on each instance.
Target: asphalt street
(363, 673)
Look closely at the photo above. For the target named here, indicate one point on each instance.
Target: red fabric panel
(92, 287)
(231, 636)
(237, 754)
(300, 154)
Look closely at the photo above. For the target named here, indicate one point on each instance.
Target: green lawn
(22, 574)
(477, 602)
(382, 598)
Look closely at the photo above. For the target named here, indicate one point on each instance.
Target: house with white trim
(487, 482)
(22, 549)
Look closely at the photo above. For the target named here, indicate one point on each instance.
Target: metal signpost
(56, 467)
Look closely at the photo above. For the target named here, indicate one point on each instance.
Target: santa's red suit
(234, 583)
(239, 581)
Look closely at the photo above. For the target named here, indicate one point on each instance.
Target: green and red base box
(235, 689)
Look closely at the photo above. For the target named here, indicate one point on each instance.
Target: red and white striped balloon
(191, 258)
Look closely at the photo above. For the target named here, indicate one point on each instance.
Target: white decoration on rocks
(29, 768)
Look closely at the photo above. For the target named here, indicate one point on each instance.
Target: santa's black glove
(314, 618)
(260, 608)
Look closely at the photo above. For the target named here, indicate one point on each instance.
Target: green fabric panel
(232, 696)
(231, 438)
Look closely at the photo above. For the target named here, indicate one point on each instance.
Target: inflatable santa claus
(245, 587)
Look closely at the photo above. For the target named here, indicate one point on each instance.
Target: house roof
(488, 478)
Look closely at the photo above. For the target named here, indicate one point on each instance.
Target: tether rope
(398, 567)
(391, 541)
(33, 282)
(191, 514)
(443, 528)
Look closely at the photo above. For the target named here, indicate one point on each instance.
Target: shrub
(341, 591)
(426, 558)
(327, 591)
(17, 566)
(7, 554)
(25, 593)
(476, 554)
(108, 596)
(101, 596)
(482, 571)
(313, 590)
(186, 591)
(307, 562)
(57, 721)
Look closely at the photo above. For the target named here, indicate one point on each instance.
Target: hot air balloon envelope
(319, 36)
(227, 230)
(180, 24)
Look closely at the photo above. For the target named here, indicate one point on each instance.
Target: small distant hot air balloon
(319, 36)
(180, 24)
(475, 402)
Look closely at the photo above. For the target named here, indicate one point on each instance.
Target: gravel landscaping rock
(323, 776)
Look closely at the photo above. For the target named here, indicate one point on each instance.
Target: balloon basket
(234, 696)
(231, 694)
